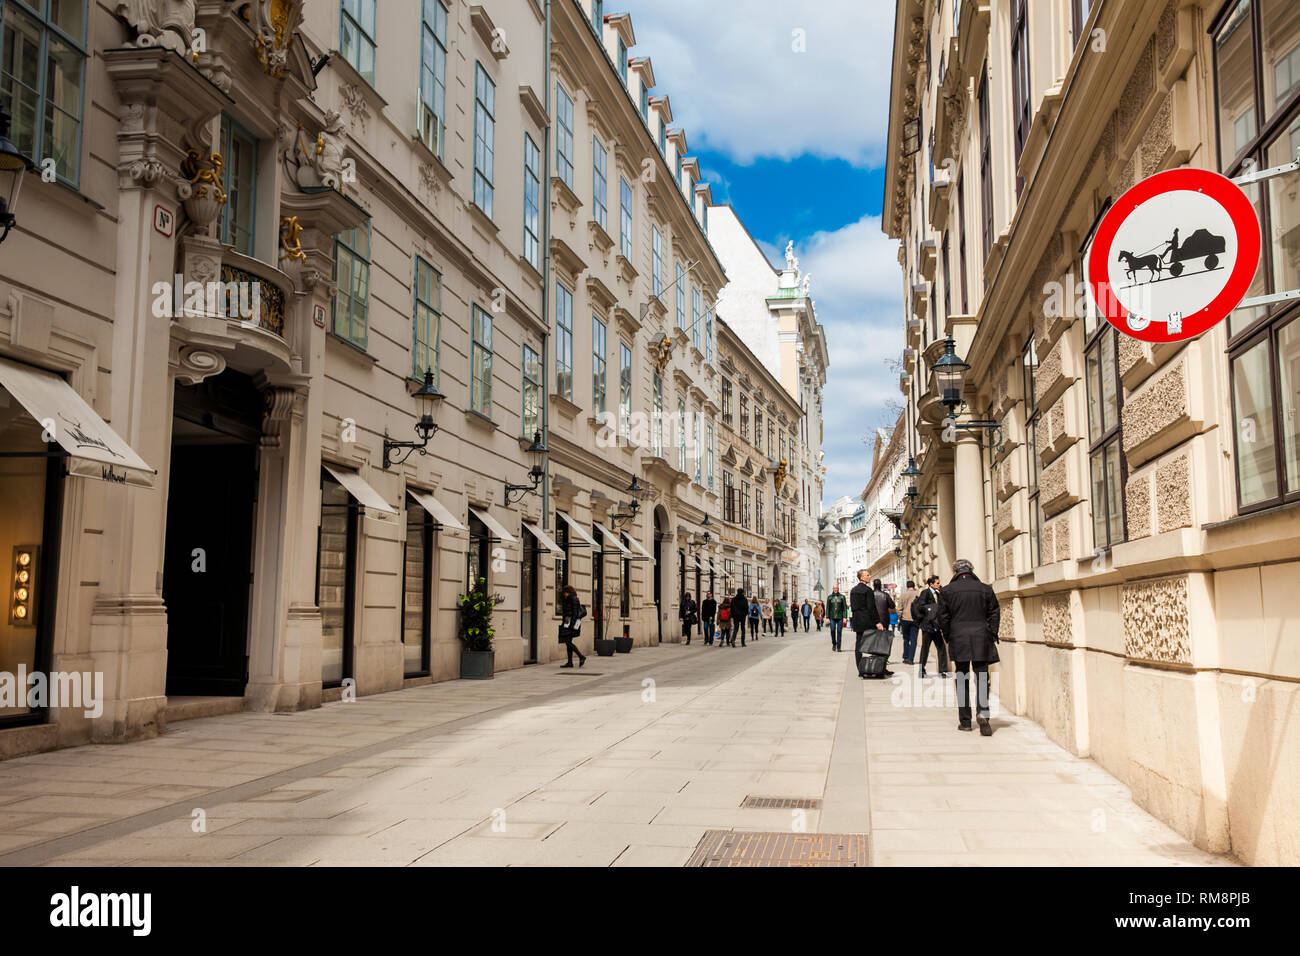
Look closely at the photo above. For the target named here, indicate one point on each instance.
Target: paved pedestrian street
(629, 761)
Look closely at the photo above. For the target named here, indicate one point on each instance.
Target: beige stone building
(1137, 517)
(254, 234)
(758, 423)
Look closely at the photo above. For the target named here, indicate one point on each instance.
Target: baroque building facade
(262, 241)
(1135, 510)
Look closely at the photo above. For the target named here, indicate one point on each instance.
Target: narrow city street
(631, 760)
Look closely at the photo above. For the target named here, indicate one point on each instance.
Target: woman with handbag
(571, 614)
(689, 613)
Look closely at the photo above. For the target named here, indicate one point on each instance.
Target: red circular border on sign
(1244, 220)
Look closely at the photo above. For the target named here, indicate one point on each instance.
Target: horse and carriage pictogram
(1200, 245)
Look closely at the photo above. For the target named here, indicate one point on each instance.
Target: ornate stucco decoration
(165, 23)
(279, 405)
(206, 198)
(318, 162)
(291, 239)
(274, 22)
(662, 351)
(355, 101)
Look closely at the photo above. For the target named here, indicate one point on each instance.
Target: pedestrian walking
(571, 614)
(819, 613)
(925, 611)
(739, 612)
(969, 615)
(689, 615)
(806, 610)
(724, 626)
(837, 609)
(869, 629)
(755, 615)
(708, 616)
(767, 615)
(778, 617)
(907, 624)
(884, 605)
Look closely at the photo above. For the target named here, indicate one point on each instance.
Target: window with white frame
(480, 392)
(357, 37)
(531, 422)
(656, 261)
(597, 365)
(695, 316)
(625, 218)
(426, 321)
(624, 388)
(681, 296)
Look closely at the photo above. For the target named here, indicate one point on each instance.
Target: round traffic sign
(1174, 255)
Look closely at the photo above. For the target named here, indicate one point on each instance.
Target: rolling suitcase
(872, 665)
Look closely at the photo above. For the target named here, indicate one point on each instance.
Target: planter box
(605, 648)
(476, 665)
(623, 645)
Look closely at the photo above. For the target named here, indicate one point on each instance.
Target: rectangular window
(625, 586)
(1079, 17)
(708, 335)
(681, 435)
(357, 37)
(480, 392)
(681, 296)
(712, 441)
(744, 416)
(597, 15)
(624, 389)
(561, 561)
(239, 180)
(728, 497)
(622, 61)
(532, 201)
(433, 76)
(563, 342)
(698, 449)
(658, 423)
(726, 401)
(758, 511)
(1105, 460)
(695, 316)
(656, 261)
(485, 100)
(961, 238)
(1029, 364)
(336, 559)
(600, 182)
(645, 102)
(532, 410)
(427, 321)
(986, 168)
(1020, 91)
(758, 428)
(746, 517)
(597, 365)
(564, 135)
(352, 273)
(947, 280)
(624, 218)
(663, 138)
(42, 75)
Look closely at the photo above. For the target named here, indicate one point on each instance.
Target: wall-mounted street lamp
(14, 166)
(700, 542)
(621, 518)
(535, 474)
(950, 375)
(912, 495)
(429, 398)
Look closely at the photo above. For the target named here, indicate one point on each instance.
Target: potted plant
(475, 632)
(604, 648)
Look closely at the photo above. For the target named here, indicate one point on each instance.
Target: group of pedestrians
(960, 619)
(723, 623)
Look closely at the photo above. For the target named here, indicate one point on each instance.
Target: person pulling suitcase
(871, 651)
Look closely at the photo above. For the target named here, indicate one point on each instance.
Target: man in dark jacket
(864, 617)
(708, 613)
(925, 612)
(739, 611)
(884, 602)
(837, 609)
(968, 615)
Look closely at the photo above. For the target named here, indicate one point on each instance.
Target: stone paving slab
(532, 770)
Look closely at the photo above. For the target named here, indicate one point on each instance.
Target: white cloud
(857, 287)
(738, 86)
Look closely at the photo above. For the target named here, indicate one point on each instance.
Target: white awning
(442, 517)
(612, 539)
(94, 449)
(362, 493)
(584, 540)
(696, 559)
(494, 526)
(639, 553)
(545, 540)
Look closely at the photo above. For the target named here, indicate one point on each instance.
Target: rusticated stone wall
(1156, 621)
(1057, 627)
(1156, 408)
(1137, 502)
(1174, 494)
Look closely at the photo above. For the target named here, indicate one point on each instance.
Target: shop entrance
(207, 569)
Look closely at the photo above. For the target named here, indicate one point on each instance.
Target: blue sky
(786, 106)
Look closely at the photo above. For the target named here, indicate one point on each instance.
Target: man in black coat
(739, 611)
(708, 613)
(864, 618)
(968, 615)
(925, 612)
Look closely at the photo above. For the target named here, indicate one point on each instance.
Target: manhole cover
(781, 803)
(748, 848)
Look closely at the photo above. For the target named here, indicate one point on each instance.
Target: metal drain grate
(781, 803)
(748, 848)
